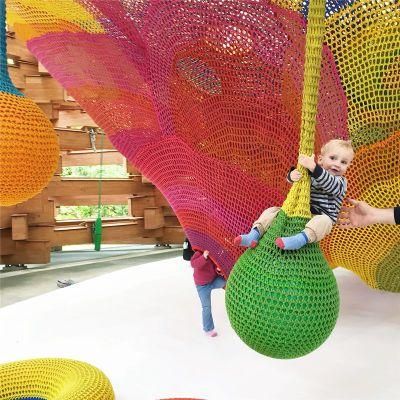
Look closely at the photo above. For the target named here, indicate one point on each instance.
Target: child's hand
(205, 254)
(307, 162)
(295, 175)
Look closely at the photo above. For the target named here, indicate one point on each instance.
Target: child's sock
(248, 240)
(292, 242)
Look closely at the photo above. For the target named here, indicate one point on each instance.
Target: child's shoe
(248, 240)
(294, 242)
(212, 333)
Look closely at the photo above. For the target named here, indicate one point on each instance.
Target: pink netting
(204, 98)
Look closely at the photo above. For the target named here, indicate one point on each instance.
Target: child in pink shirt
(206, 279)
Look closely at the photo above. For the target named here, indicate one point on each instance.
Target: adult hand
(362, 214)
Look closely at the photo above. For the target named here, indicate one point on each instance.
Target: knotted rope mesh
(284, 304)
(53, 379)
(28, 144)
(205, 99)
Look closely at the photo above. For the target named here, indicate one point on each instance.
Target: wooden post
(19, 226)
(153, 218)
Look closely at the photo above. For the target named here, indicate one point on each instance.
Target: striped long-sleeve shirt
(327, 193)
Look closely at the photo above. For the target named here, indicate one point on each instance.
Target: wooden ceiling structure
(29, 230)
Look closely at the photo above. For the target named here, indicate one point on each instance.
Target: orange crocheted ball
(28, 149)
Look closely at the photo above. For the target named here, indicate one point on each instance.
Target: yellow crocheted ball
(28, 149)
(53, 379)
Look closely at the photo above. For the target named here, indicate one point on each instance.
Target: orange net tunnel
(204, 98)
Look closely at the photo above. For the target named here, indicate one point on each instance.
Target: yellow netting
(365, 40)
(53, 379)
(372, 252)
(205, 99)
(297, 203)
(34, 18)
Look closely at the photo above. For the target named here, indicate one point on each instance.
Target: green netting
(283, 304)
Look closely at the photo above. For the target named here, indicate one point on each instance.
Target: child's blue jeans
(204, 292)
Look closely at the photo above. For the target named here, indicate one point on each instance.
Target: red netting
(205, 98)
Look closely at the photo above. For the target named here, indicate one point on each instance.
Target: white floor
(142, 327)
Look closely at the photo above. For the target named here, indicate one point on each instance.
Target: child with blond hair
(328, 189)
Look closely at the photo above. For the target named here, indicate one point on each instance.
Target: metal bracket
(92, 137)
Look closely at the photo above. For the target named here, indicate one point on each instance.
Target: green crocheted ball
(283, 304)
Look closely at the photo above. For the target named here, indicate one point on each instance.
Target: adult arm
(362, 214)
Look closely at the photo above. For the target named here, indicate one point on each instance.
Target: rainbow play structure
(284, 304)
(213, 101)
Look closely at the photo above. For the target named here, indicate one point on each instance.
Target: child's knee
(265, 219)
(318, 227)
(311, 235)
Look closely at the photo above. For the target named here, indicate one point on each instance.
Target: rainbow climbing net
(204, 97)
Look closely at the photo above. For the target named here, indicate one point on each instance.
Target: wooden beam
(68, 105)
(123, 232)
(41, 88)
(85, 187)
(173, 235)
(171, 220)
(41, 69)
(39, 210)
(5, 217)
(49, 110)
(33, 205)
(92, 158)
(18, 47)
(91, 200)
(160, 199)
(58, 171)
(146, 181)
(168, 211)
(19, 226)
(130, 169)
(86, 221)
(18, 75)
(28, 252)
(153, 218)
(138, 203)
(71, 235)
(41, 232)
(74, 139)
(7, 245)
(73, 118)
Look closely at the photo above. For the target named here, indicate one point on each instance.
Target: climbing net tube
(284, 304)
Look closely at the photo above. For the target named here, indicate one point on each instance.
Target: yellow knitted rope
(297, 203)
